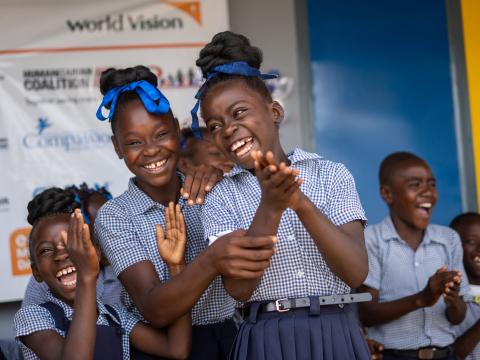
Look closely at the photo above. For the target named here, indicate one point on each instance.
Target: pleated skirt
(332, 334)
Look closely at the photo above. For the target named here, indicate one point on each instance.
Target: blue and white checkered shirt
(32, 318)
(472, 317)
(396, 271)
(298, 269)
(109, 289)
(125, 227)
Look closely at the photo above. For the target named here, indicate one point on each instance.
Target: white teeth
(245, 150)
(425, 205)
(65, 271)
(476, 259)
(155, 164)
(239, 143)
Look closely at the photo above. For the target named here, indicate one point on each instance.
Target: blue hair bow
(152, 98)
(233, 68)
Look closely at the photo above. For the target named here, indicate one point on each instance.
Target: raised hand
(171, 243)
(80, 247)
(451, 292)
(436, 286)
(198, 181)
(279, 183)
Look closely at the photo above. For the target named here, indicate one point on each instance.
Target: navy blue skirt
(328, 333)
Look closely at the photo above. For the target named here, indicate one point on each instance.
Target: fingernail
(199, 200)
(274, 239)
(190, 202)
(185, 195)
(207, 188)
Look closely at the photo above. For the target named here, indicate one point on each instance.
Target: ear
(386, 194)
(35, 272)
(277, 112)
(116, 147)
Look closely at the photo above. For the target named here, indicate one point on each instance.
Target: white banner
(51, 56)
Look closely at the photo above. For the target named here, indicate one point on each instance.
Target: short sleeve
(118, 238)
(374, 264)
(217, 217)
(127, 318)
(344, 205)
(457, 262)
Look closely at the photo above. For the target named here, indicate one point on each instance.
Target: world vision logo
(19, 252)
(143, 22)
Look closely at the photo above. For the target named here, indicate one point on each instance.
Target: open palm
(171, 243)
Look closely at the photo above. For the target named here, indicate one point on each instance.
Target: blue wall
(381, 83)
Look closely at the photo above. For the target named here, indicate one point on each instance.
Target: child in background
(298, 307)
(202, 151)
(147, 136)
(415, 268)
(72, 323)
(467, 345)
(108, 286)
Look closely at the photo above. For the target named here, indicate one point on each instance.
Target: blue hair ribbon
(152, 98)
(85, 216)
(232, 68)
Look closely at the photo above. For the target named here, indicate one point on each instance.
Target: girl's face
(149, 145)
(51, 262)
(240, 121)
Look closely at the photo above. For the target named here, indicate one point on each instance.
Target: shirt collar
(142, 201)
(296, 156)
(388, 232)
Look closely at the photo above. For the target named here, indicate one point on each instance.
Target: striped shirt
(298, 269)
(397, 271)
(125, 227)
(33, 318)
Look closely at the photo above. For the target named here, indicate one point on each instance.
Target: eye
(132, 143)
(414, 184)
(161, 134)
(239, 112)
(213, 126)
(45, 251)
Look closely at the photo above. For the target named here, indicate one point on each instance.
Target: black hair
(187, 132)
(112, 78)
(393, 161)
(464, 219)
(83, 193)
(50, 202)
(227, 47)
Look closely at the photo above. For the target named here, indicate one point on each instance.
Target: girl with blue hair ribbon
(146, 136)
(298, 308)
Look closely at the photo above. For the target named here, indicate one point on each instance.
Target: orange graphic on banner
(19, 253)
(192, 8)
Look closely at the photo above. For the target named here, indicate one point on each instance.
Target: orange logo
(19, 253)
(192, 8)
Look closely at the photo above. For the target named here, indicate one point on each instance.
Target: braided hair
(112, 78)
(50, 202)
(227, 47)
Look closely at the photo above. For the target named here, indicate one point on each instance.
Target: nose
(229, 129)
(150, 149)
(61, 251)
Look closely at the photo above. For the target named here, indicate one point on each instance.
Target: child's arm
(278, 184)
(456, 307)
(376, 313)
(80, 340)
(175, 342)
(465, 344)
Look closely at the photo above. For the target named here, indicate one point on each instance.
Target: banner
(51, 57)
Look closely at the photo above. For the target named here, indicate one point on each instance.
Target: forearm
(80, 340)
(167, 301)
(456, 312)
(265, 222)
(375, 313)
(345, 256)
(465, 344)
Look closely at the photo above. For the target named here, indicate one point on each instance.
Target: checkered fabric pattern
(396, 271)
(125, 227)
(109, 289)
(32, 318)
(472, 317)
(298, 269)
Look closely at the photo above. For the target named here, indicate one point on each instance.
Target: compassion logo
(67, 141)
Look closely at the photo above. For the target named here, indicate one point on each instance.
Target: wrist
(419, 300)
(303, 204)
(270, 208)
(209, 259)
(86, 279)
(175, 269)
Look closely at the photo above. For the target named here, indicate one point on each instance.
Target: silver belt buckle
(279, 306)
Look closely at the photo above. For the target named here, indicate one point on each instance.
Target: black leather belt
(423, 353)
(283, 305)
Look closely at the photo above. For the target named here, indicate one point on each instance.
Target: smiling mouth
(67, 276)
(426, 207)
(476, 260)
(155, 166)
(242, 146)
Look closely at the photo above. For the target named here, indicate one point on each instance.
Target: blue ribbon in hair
(233, 68)
(152, 98)
(84, 214)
